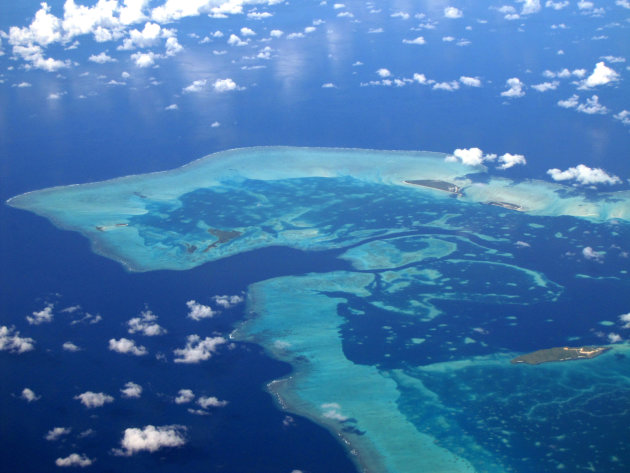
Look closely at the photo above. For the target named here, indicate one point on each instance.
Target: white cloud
(184, 396)
(91, 399)
(228, 301)
(43, 316)
(254, 15)
(131, 389)
(197, 350)
(196, 86)
(125, 346)
(382, 72)
(145, 59)
(74, 459)
(172, 46)
(592, 106)
(448, 86)
(22, 85)
(172, 106)
(11, 341)
(470, 81)
(530, 6)
(601, 75)
(276, 33)
(452, 12)
(571, 102)
(295, 35)
(236, 41)
(510, 160)
(401, 14)
(199, 311)
(69, 346)
(55, 434)
(225, 85)
(556, 5)
(101, 58)
(625, 318)
(614, 59)
(468, 156)
(545, 86)
(418, 40)
(211, 401)
(614, 337)
(247, 31)
(515, 88)
(215, 124)
(151, 439)
(623, 117)
(146, 324)
(328, 85)
(149, 36)
(584, 175)
(623, 3)
(29, 395)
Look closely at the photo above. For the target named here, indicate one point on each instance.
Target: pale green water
(433, 287)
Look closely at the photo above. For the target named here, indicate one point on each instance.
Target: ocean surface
(289, 304)
(383, 312)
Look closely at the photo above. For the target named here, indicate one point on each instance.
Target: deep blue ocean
(120, 130)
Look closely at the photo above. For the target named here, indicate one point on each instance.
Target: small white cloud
(247, 31)
(515, 88)
(470, 81)
(448, 86)
(132, 390)
(211, 401)
(329, 85)
(74, 459)
(623, 3)
(55, 434)
(145, 59)
(91, 399)
(234, 40)
(172, 46)
(623, 117)
(126, 346)
(614, 337)
(584, 175)
(556, 5)
(592, 106)
(101, 58)
(215, 124)
(545, 86)
(469, 156)
(172, 106)
(276, 33)
(184, 396)
(22, 85)
(43, 316)
(625, 318)
(614, 59)
(419, 40)
(146, 324)
(530, 6)
(151, 439)
(29, 395)
(508, 160)
(254, 15)
(196, 86)
(197, 311)
(69, 346)
(228, 301)
(452, 12)
(382, 72)
(601, 75)
(11, 341)
(197, 350)
(225, 85)
(401, 14)
(375, 30)
(571, 102)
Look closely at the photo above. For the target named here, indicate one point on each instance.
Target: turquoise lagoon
(404, 354)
